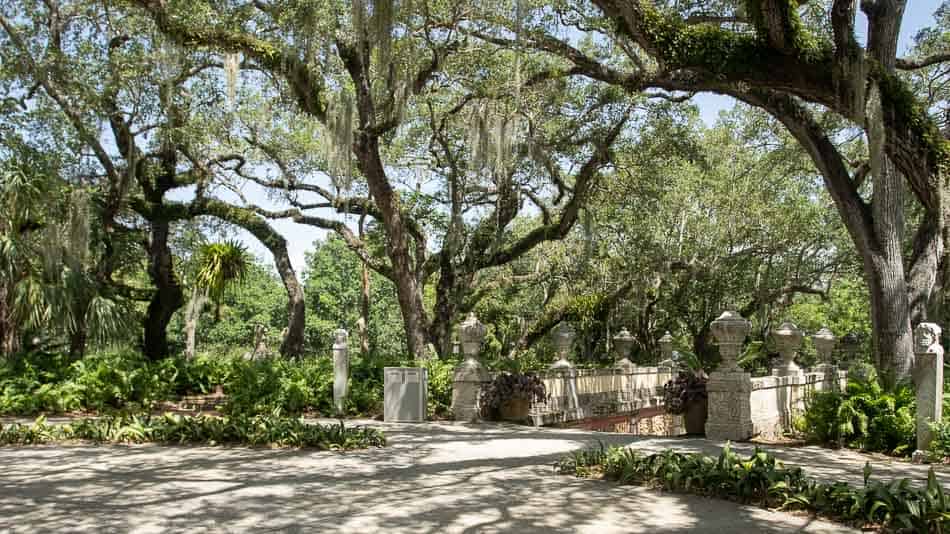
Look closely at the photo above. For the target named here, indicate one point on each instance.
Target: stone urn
(730, 330)
(623, 344)
(563, 338)
(788, 339)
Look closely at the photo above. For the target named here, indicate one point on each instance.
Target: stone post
(341, 369)
(469, 375)
(824, 341)
(563, 338)
(788, 339)
(928, 382)
(623, 344)
(729, 389)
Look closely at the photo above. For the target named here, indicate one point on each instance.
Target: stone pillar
(729, 388)
(788, 339)
(928, 382)
(824, 341)
(563, 338)
(623, 344)
(469, 375)
(341, 369)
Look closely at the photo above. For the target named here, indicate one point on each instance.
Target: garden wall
(776, 400)
(578, 394)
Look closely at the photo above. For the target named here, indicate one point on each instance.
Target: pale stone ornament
(729, 389)
(563, 337)
(623, 344)
(341, 368)
(470, 374)
(928, 383)
(788, 339)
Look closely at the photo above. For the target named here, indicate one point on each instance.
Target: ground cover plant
(896, 506)
(50, 383)
(255, 431)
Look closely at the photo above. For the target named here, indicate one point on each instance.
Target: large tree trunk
(292, 345)
(364, 297)
(168, 297)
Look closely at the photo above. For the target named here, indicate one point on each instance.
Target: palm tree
(47, 288)
(220, 265)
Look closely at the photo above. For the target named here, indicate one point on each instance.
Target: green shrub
(762, 480)
(257, 430)
(125, 380)
(864, 416)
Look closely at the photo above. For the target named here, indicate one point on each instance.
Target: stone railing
(577, 394)
(776, 400)
(739, 406)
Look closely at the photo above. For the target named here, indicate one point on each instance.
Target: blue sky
(300, 238)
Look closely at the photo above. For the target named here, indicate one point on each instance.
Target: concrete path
(438, 477)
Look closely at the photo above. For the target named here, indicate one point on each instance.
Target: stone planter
(694, 418)
(514, 410)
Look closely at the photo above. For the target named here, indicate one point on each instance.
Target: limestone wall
(776, 400)
(576, 394)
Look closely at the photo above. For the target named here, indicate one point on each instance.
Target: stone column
(341, 369)
(824, 341)
(469, 375)
(623, 344)
(928, 382)
(729, 388)
(788, 339)
(563, 338)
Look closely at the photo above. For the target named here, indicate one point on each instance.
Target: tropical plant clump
(506, 387)
(683, 389)
(254, 431)
(864, 416)
(760, 479)
(40, 383)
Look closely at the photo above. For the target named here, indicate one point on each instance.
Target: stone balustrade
(577, 394)
(740, 406)
(776, 400)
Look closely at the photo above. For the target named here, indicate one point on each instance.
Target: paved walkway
(438, 477)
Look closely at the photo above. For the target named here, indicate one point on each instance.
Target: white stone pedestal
(729, 406)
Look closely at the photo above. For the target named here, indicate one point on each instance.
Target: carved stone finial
(623, 343)
(471, 334)
(927, 339)
(730, 330)
(788, 339)
(563, 338)
(340, 337)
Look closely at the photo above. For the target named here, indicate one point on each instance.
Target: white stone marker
(729, 388)
(470, 374)
(341, 369)
(928, 381)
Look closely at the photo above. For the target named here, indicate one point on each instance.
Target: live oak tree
(89, 68)
(391, 90)
(790, 59)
